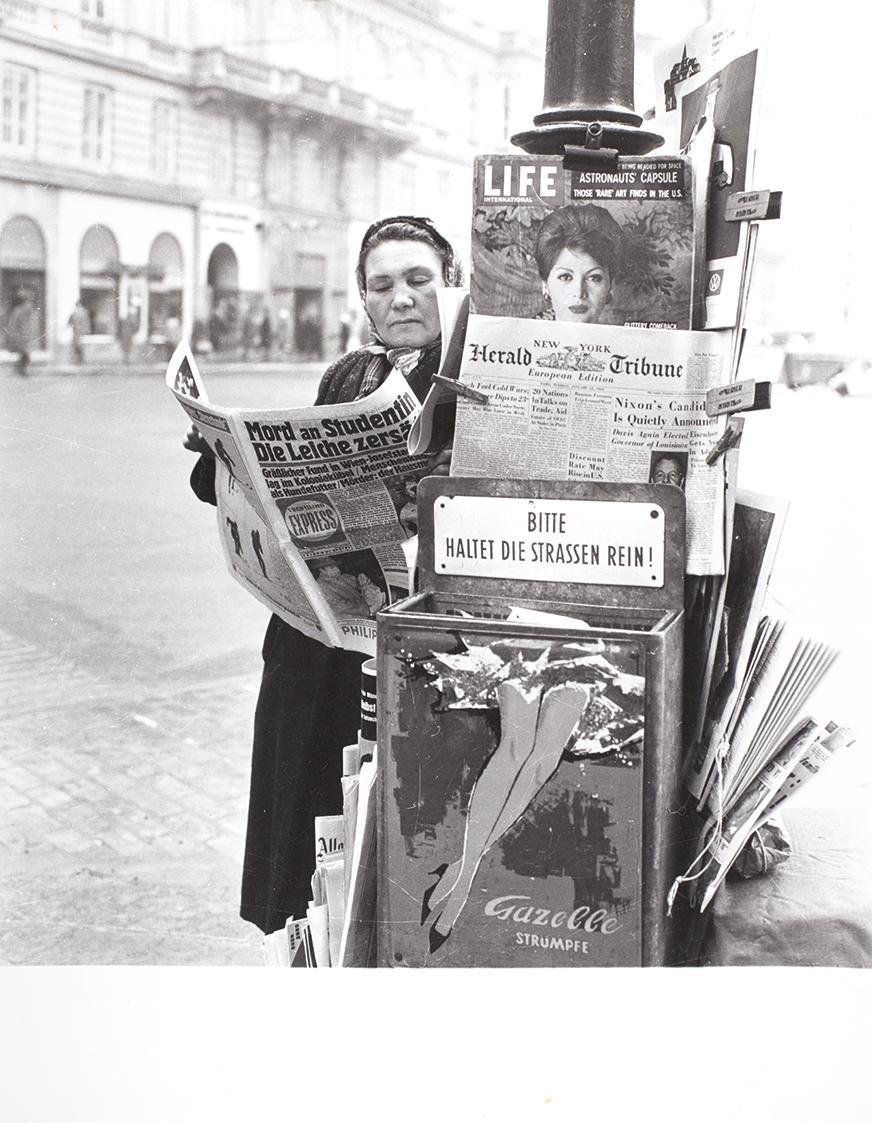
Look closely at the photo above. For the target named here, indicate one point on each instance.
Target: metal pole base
(604, 136)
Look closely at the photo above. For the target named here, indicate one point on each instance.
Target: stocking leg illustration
(534, 732)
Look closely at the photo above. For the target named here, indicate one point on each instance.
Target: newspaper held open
(315, 505)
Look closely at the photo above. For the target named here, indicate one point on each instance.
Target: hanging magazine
(708, 93)
(606, 245)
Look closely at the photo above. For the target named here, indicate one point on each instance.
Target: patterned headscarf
(409, 228)
(402, 228)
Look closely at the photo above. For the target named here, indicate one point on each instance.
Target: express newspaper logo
(312, 521)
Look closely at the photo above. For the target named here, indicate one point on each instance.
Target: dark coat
(307, 710)
(21, 327)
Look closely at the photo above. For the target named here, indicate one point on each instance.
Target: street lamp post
(588, 98)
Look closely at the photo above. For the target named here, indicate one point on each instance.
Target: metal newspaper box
(529, 765)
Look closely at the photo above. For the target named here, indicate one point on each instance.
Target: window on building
(374, 182)
(165, 139)
(160, 19)
(222, 271)
(309, 161)
(338, 175)
(22, 269)
(99, 272)
(18, 108)
(473, 90)
(281, 286)
(94, 9)
(280, 166)
(221, 154)
(96, 124)
(281, 258)
(165, 281)
(222, 277)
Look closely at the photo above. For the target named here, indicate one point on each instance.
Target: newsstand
(529, 733)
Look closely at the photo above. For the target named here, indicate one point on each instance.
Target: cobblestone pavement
(121, 817)
(129, 666)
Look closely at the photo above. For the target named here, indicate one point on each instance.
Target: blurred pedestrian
(201, 344)
(216, 328)
(344, 331)
(309, 329)
(249, 331)
(127, 331)
(80, 322)
(172, 331)
(21, 330)
(283, 331)
(266, 334)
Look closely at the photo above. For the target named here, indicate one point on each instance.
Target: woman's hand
(195, 442)
(440, 464)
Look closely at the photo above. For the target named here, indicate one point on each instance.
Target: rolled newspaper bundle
(728, 838)
(368, 710)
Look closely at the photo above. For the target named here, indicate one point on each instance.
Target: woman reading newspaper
(309, 702)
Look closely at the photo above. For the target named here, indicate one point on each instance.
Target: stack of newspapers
(756, 745)
(338, 929)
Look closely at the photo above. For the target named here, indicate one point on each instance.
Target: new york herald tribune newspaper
(569, 401)
(316, 505)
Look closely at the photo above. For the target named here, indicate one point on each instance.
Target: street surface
(129, 665)
(129, 660)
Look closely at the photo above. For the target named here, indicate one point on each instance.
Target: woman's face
(579, 287)
(402, 278)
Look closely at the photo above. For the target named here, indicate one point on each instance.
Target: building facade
(183, 167)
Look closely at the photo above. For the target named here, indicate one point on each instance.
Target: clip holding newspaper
(571, 401)
(317, 511)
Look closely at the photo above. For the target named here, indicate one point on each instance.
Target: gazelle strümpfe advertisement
(524, 849)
